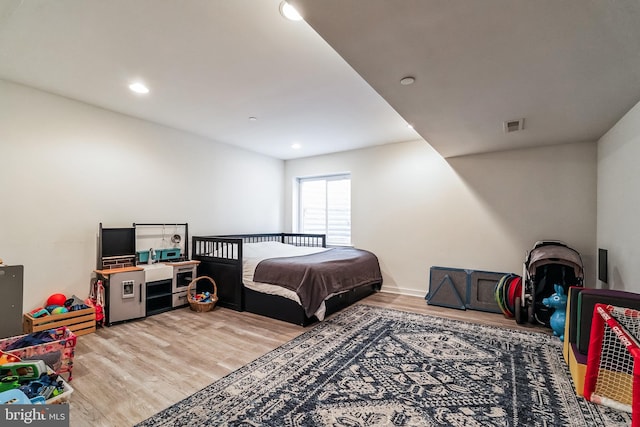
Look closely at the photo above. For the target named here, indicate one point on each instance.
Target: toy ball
(50, 308)
(56, 299)
(59, 310)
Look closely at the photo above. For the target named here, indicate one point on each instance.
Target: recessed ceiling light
(289, 12)
(138, 87)
(253, 119)
(296, 146)
(406, 81)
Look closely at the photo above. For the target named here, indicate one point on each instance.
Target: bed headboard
(229, 247)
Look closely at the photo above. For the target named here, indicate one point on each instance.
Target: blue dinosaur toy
(559, 316)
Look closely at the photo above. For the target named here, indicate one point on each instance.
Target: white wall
(66, 166)
(619, 201)
(416, 210)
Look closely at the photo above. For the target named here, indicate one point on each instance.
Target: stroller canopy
(554, 252)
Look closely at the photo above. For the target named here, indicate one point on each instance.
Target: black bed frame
(221, 259)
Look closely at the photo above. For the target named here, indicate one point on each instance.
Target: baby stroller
(550, 262)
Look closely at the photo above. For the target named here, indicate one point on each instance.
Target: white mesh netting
(614, 384)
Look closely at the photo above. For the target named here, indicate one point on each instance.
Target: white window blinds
(325, 207)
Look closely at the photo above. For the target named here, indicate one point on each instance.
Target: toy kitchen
(145, 269)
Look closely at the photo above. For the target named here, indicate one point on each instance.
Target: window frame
(326, 178)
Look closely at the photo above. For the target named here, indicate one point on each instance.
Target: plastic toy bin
(63, 397)
(143, 256)
(57, 354)
(167, 254)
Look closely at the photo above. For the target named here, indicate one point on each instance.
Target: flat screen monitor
(602, 265)
(118, 242)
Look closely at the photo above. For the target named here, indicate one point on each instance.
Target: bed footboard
(221, 259)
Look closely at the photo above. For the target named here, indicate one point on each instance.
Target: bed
(345, 275)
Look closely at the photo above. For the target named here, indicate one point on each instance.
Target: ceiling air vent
(513, 125)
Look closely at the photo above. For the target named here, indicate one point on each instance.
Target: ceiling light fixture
(296, 146)
(138, 87)
(406, 81)
(253, 119)
(289, 12)
(409, 125)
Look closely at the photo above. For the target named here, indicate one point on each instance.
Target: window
(324, 206)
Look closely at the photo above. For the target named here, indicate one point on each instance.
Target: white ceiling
(210, 65)
(571, 68)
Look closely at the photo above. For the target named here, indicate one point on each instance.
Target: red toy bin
(57, 354)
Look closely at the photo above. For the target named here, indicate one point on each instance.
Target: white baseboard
(404, 291)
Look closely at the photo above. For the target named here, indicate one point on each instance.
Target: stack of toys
(203, 297)
(58, 304)
(55, 346)
(28, 382)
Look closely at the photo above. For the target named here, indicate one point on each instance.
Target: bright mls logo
(26, 416)
(35, 415)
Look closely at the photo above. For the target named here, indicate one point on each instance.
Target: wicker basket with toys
(203, 301)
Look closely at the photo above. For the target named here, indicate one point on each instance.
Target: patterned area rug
(377, 367)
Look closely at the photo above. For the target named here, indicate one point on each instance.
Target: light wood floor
(126, 373)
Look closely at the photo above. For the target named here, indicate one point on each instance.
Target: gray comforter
(314, 277)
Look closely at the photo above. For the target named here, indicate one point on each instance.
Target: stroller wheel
(518, 310)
